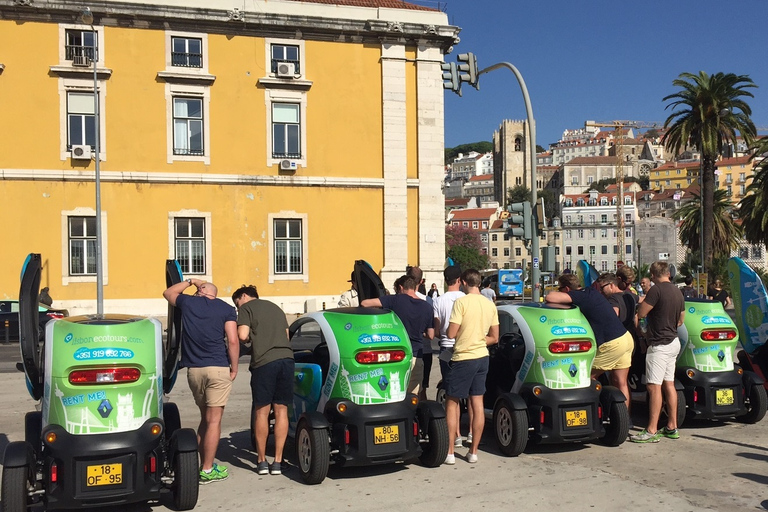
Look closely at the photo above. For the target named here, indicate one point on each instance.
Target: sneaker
(213, 476)
(450, 459)
(275, 469)
(458, 443)
(262, 468)
(670, 433)
(645, 437)
(220, 469)
(471, 458)
(469, 439)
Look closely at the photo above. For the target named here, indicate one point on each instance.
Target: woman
(717, 293)
(433, 291)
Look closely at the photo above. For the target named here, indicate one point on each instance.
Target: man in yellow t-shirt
(474, 324)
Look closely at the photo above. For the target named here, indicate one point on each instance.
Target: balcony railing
(187, 60)
(75, 50)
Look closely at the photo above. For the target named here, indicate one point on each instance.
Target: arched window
(518, 144)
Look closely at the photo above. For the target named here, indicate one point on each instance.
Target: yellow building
(271, 145)
(734, 176)
(674, 175)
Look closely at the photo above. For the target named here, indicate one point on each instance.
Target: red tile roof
(389, 4)
(457, 202)
(678, 165)
(497, 224)
(473, 214)
(739, 160)
(482, 177)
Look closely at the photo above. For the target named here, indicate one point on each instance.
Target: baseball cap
(452, 272)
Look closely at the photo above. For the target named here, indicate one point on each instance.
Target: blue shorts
(273, 383)
(467, 378)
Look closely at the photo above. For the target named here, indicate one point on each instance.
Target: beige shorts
(615, 354)
(660, 361)
(417, 375)
(210, 385)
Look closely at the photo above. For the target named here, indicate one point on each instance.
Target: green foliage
(753, 208)
(540, 149)
(518, 194)
(480, 147)
(464, 246)
(601, 185)
(726, 234)
(551, 206)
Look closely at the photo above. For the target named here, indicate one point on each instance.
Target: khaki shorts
(660, 361)
(615, 354)
(210, 385)
(417, 375)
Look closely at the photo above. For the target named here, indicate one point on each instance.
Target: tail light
(55, 314)
(541, 417)
(104, 376)
(150, 466)
(569, 347)
(380, 356)
(346, 435)
(600, 412)
(718, 334)
(415, 429)
(695, 395)
(54, 473)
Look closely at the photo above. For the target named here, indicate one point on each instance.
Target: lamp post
(638, 255)
(87, 18)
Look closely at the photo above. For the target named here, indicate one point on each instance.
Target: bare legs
(208, 434)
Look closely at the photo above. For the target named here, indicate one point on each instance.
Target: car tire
(33, 431)
(14, 489)
(186, 480)
(435, 450)
(510, 427)
(171, 418)
(758, 402)
(440, 396)
(617, 429)
(313, 453)
(681, 408)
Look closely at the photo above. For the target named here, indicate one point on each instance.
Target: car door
(172, 347)
(29, 327)
(369, 286)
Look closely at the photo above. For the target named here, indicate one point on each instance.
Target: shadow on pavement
(753, 456)
(761, 479)
(3, 444)
(745, 445)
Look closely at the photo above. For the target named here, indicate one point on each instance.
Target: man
(349, 298)
(442, 307)
(614, 343)
(689, 292)
(488, 292)
(426, 354)
(416, 316)
(211, 364)
(263, 323)
(474, 324)
(664, 307)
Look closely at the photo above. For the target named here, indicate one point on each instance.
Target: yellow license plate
(724, 396)
(576, 418)
(385, 435)
(104, 474)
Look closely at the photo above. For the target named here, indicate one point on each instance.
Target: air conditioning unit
(81, 152)
(288, 165)
(81, 61)
(286, 70)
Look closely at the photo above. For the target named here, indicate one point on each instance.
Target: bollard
(7, 338)
(323, 305)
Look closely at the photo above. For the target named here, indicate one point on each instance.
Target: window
(485, 224)
(78, 43)
(581, 233)
(742, 189)
(474, 224)
(188, 126)
(287, 246)
(494, 237)
(580, 250)
(603, 249)
(580, 202)
(581, 219)
(189, 235)
(567, 220)
(557, 250)
(744, 253)
(568, 234)
(592, 233)
(590, 179)
(567, 250)
(82, 246)
(518, 251)
(506, 236)
(757, 252)
(81, 119)
(494, 252)
(286, 53)
(604, 265)
(615, 249)
(484, 237)
(603, 233)
(628, 249)
(465, 224)
(574, 180)
(286, 130)
(506, 251)
(604, 219)
(591, 219)
(186, 52)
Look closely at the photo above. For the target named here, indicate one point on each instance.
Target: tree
(464, 246)
(540, 149)
(725, 235)
(518, 194)
(551, 206)
(480, 147)
(753, 208)
(708, 112)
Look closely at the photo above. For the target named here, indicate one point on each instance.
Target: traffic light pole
(535, 253)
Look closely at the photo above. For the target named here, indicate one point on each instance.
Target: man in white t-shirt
(488, 292)
(442, 306)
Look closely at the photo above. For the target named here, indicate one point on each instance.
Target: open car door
(171, 349)
(29, 325)
(369, 286)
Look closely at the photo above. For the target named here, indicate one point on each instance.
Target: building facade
(220, 130)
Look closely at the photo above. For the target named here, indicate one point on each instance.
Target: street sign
(535, 262)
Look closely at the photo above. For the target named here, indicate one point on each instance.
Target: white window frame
(175, 90)
(83, 85)
(268, 42)
(289, 215)
(172, 216)
(273, 96)
(100, 46)
(66, 279)
(188, 241)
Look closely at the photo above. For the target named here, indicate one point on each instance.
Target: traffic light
(468, 70)
(541, 217)
(548, 258)
(451, 77)
(523, 219)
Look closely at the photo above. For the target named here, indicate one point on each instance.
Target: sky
(601, 60)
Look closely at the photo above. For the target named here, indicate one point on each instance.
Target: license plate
(724, 396)
(385, 435)
(576, 418)
(104, 474)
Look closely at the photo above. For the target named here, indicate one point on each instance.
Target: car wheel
(313, 453)
(14, 488)
(440, 396)
(171, 418)
(756, 406)
(510, 427)
(681, 408)
(617, 429)
(186, 481)
(436, 449)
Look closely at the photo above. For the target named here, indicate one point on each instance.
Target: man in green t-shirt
(263, 324)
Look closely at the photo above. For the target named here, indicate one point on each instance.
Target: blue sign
(560, 331)
(367, 339)
(715, 320)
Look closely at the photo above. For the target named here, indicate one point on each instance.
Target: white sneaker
(471, 458)
(458, 443)
(450, 459)
(469, 439)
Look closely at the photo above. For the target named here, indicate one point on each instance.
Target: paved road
(714, 466)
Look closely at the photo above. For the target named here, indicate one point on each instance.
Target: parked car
(9, 318)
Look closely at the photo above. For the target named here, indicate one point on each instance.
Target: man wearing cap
(349, 298)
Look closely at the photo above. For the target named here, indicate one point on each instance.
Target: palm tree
(753, 208)
(726, 234)
(708, 113)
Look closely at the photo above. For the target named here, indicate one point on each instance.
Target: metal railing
(77, 50)
(187, 60)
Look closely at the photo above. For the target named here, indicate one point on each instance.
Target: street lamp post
(638, 255)
(535, 253)
(87, 18)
